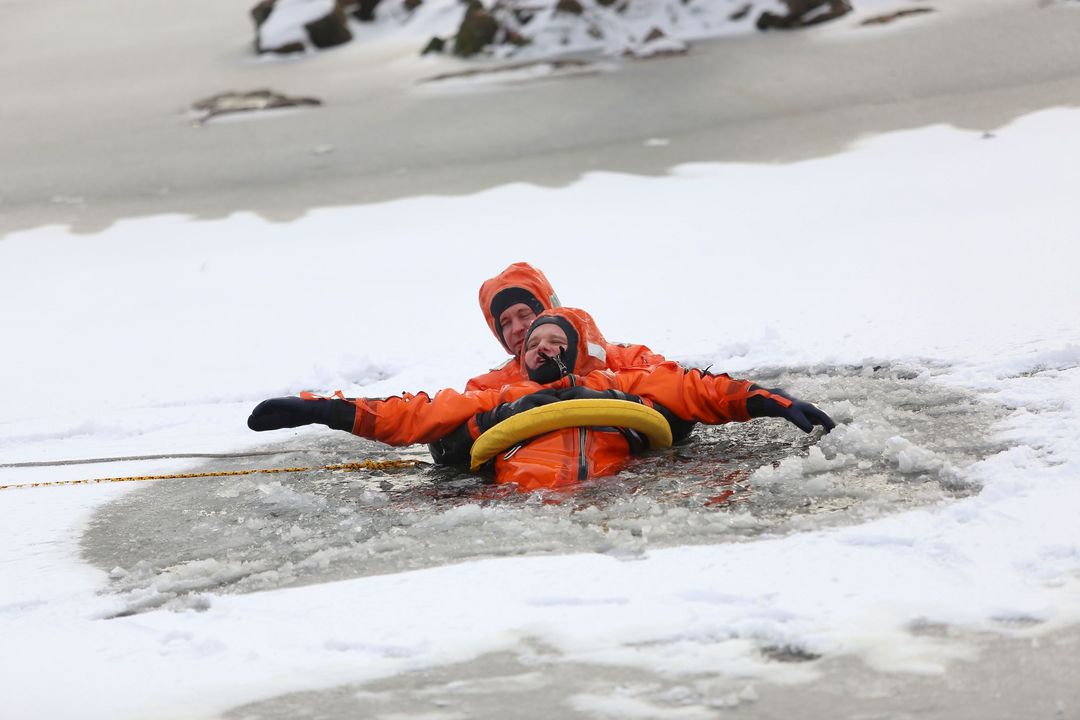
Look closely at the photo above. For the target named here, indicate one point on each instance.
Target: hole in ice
(903, 441)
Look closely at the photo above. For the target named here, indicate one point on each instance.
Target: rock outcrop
(288, 26)
(232, 102)
(477, 31)
(529, 30)
(893, 16)
(803, 13)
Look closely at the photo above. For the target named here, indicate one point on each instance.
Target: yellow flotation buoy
(571, 413)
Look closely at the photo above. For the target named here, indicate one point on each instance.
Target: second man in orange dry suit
(510, 301)
(563, 360)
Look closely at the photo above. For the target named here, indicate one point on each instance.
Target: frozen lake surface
(864, 216)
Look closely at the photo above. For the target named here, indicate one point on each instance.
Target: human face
(548, 340)
(514, 322)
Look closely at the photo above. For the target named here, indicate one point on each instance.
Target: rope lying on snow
(350, 467)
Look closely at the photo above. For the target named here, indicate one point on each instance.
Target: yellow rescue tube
(571, 413)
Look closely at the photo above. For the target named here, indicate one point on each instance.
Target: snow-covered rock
(803, 13)
(531, 29)
(290, 26)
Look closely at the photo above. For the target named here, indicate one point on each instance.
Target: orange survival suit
(521, 282)
(566, 456)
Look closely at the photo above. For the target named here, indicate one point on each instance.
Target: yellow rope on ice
(350, 467)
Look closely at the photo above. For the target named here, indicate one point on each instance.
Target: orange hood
(589, 346)
(514, 279)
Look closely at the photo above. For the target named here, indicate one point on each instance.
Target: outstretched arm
(397, 420)
(716, 399)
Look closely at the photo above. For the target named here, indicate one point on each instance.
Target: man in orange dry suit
(562, 362)
(510, 302)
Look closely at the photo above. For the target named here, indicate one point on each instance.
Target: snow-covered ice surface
(920, 286)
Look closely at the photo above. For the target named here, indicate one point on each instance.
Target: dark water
(903, 441)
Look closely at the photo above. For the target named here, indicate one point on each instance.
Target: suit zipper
(583, 463)
(583, 466)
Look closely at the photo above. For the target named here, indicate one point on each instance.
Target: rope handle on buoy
(349, 467)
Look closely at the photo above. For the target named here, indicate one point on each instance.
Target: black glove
(801, 414)
(290, 412)
(552, 369)
(452, 448)
(584, 393)
(487, 420)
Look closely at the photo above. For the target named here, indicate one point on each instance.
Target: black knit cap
(508, 297)
(546, 372)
